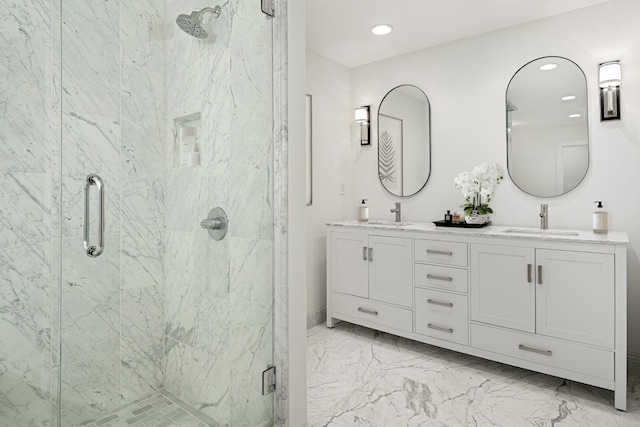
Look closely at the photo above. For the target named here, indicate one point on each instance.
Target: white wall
(295, 390)
(466, 82)
(329, 84)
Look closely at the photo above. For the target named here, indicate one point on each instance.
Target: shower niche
(187, 144)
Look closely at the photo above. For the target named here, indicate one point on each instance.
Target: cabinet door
(391, 270)
(349, 264)
(502, 288)
(575, 296)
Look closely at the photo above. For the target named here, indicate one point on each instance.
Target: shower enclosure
(172, 126)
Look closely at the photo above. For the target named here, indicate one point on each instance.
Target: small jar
(456, 217)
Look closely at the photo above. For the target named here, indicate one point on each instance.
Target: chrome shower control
(216, 223)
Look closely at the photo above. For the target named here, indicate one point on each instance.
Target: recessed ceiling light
(547, 67)
(381, 29)
(568, 98)
(573, 116)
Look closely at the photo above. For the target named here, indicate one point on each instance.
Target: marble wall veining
(25, 213)
(94, 87)
(82, 93)
(112, 112)
(219, 294)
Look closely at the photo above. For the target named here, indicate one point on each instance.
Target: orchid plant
(477, 187)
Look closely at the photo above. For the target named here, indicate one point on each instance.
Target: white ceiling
(340, 29)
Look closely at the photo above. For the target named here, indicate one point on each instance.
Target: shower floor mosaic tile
(361, 377)
(160, 410)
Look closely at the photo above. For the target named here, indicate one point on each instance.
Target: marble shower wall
(25, 212)
(112, 111)
(219, 294)
(87, 92)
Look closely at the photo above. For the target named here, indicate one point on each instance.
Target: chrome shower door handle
(93, 251)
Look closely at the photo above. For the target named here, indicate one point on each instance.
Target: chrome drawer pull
(439, 328)
(446, 279)
(364, 310)
(539, 275)
(364, 253)
(434, 252)
(535, 350)
(444, 304)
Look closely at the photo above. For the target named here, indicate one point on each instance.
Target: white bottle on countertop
(600, 219)
(363, 211)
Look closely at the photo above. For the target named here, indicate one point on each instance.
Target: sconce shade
(610, 74)
(361, 114)
(609, 78)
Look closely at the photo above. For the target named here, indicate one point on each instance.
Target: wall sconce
(362, 116)
(609, 79)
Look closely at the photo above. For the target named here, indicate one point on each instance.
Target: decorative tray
(441, 223)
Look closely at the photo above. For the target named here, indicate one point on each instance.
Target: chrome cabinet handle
(434, 252)
(364, 310)
(94, 251)
(444, 304)
(539, 275)
(364, 253)
(370, 254)
(446, 279)
(535, 350)
(439, 328)
(529, 266)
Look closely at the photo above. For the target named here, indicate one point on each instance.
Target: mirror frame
(506, 122)
(428, 136)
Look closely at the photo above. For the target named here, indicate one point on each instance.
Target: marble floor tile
(159, 410)
(361, 377)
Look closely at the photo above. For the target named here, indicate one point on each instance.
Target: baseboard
(316, 318)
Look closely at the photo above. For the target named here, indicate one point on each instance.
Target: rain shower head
(192, 24)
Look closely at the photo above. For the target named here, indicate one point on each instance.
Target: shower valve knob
(211, 224)
(216, 223)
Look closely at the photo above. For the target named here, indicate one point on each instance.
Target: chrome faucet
(544, 216)
(398, 211)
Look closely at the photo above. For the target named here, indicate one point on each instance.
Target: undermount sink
(540, 232)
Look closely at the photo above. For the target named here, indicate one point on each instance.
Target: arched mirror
(404, 141)
(547, 128)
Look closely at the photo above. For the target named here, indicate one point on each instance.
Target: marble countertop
(513, 232)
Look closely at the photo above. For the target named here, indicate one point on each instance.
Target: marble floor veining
(361, 377)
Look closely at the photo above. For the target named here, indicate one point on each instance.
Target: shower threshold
(158, 410)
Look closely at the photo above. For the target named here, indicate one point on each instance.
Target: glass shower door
(25, 212)
(164, 310)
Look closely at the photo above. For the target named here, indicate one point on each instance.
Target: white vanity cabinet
(372, 279)
(549, 302)
(556, 293)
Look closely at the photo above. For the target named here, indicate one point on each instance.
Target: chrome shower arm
(214, 10)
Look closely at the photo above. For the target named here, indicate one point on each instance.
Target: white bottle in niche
(600, 219)
(195, 155)
(363, 211)
(186, 139)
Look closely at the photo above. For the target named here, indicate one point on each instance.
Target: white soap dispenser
(363, 211)
(600, 219)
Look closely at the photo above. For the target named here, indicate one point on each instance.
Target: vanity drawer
(442, 315)
(566, 355)
(437, 276)
(371, 311)
(439, 252)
